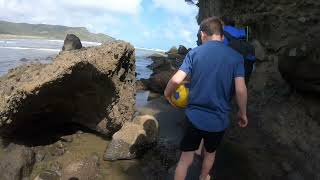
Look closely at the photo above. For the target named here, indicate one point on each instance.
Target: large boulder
(93, 87)
(17, 163)
(133, 138)
(72, 42)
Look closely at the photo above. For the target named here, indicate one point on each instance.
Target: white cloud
(96, 15)
(179, 7)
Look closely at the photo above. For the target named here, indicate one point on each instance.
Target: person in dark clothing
(231, 32)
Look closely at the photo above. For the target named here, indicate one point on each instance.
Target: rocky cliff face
(93, 87)
(281, 141)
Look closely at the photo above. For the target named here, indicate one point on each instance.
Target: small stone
(293, 52)
(67, 139)
(302, 19)
(80, 132)
(9, 121)
(60, 145)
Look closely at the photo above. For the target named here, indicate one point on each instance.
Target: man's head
(211, 29)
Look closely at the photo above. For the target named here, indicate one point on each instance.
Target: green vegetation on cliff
(50, 31)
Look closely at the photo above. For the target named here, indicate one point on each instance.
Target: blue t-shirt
(213, 67)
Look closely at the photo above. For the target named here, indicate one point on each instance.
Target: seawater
(15, 52)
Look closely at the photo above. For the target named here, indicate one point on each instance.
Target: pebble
(67, 139)
(302, 19)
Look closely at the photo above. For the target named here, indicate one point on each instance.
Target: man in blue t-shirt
(216, 74)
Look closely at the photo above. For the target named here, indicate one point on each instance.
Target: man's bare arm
(241, 96)
(174, 82)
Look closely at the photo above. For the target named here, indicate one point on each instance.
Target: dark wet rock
(172, 50)
(48, 175)
(259, 50)
(141, 84)
(86, 169)
(299, 66)
(93, 87)
(24, 60)
(182, 50)
(71, 42)
(17, 163)
(158, 82)
(133, 138)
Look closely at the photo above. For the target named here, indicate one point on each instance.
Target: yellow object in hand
(180, 96)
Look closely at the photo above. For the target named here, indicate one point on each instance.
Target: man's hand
(172, 85)
(168, 98)
(242, 120)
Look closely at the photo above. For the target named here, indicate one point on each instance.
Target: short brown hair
(211, 26)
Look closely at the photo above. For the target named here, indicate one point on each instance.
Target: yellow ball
(180, 96)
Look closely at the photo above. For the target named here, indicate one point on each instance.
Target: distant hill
(50, 31)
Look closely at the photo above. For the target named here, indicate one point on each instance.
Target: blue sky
(157, 24)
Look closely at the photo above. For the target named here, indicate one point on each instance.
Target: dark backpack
(246, 50)
(241, 46)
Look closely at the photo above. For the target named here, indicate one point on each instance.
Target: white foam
(148, 49)
(29, 48)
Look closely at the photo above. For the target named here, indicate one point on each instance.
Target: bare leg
(200, 150)
(183, 165)
(207, 165)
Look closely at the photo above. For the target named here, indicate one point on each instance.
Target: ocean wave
(149, 49)
(30, 48)
(56, 40)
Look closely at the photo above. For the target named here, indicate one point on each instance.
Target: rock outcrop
(93, 87)
(72, 42)
(163, 68)
(133, 138)
(182, 50)
(284, 125)
(17, 163)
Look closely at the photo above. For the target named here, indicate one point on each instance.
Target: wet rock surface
(93, 87)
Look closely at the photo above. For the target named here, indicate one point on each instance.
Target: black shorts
(193, 137)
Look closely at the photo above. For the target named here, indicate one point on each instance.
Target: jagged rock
(172, 50)
(93, 87)
(87, 169)
(72, 42)
(182, 50)
(133, 138)
(17, 163)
